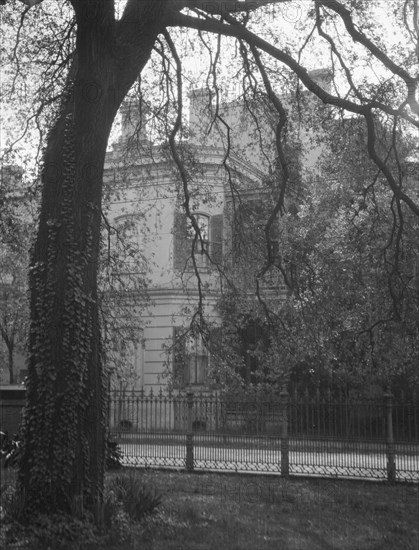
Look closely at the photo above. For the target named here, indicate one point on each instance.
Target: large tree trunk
(64, 422)
(62, 464)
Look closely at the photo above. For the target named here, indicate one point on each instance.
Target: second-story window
(202, 240)
(209, 241)
(123, 257)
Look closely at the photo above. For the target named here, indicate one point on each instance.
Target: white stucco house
(147, 204)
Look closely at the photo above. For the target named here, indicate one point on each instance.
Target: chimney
(134, 121)
(200, 115)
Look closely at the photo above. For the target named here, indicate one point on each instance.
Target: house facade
(180, 273)
(186, 260)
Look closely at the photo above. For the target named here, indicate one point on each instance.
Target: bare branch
(183, 173)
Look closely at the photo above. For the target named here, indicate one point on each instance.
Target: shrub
(55, 531)
(136, 498)
(11, 450)
(113, 455)
(10, 503)
(127, 500)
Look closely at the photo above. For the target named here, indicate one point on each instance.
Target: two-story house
(227, 173)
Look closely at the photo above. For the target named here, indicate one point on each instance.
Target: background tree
(348, 316)
(16, 230)
(13, 307)
(100, 56)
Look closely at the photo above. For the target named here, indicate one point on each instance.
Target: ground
(242, 512)
(206, 511)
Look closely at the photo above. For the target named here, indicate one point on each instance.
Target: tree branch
(358, 36)
(398, 193)
(238, 31)
(29, 3)
(225, 6)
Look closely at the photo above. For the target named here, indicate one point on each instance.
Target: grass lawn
(217, 511)
(252, 512)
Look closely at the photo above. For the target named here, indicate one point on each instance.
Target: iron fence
(287, 434)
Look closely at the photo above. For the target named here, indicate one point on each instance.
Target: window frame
(197, 360)
(190, 359)
(202, 243)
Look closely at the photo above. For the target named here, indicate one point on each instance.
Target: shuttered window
(208, 247)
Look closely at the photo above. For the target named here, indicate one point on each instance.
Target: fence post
(391, 465)
(285, 465)
(189, 433)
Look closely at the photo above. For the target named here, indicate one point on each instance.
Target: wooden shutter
(216, 250)
(182, 244)
(180, 374)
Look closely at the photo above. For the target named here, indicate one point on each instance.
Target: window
(190, 359)
(125, 357)
(123, 257)
(208, 243)
(202, 243)
(197, 360)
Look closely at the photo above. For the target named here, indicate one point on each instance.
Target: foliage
(137, 498)
(16, 230)
(113, 456)
(128, 501)
(352, 309)
(11, 451)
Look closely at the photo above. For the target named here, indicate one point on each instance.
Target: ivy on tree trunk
(62, 465)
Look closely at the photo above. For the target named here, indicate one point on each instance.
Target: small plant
(113, 455)
(10, 450)
(136, 498)
(10, 503)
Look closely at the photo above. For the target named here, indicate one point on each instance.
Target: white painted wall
(148, 190)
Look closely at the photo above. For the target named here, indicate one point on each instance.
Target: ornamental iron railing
(289, 434)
